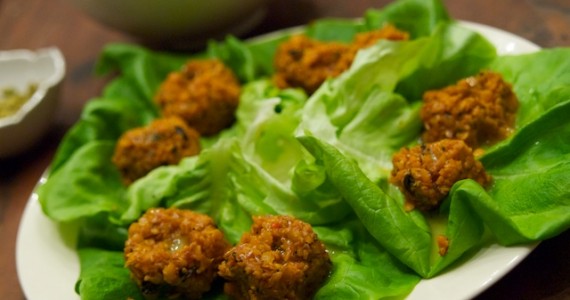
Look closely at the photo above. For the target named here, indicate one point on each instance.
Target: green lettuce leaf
(88, 184)
(144, 69)
(104, 276)
(530, 198)
(383, 217)
(454, 53)
(418, 17)
(361, 268)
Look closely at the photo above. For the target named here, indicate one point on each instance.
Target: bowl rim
(55, 78)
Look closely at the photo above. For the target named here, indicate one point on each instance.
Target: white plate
(48, 265)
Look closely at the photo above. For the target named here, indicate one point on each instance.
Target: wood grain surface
(33, 24)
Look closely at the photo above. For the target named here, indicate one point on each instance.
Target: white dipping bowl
(19, 69)
(176, 23)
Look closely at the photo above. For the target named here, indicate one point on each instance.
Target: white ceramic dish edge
(55, 56)
(20, 68)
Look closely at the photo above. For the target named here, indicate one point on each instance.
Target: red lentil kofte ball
(205, 93)
(174, 253)
(426, 173)
(387, 32)
(479, 110)
(306, 63)
(280, 258)
(163, 142)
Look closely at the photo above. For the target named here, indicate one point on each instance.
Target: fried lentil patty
(426, 173)
(174, 253)
(205, 93)
(479, 110)
(306, 63)
(280, 258)
(387, 32)
(163, 142)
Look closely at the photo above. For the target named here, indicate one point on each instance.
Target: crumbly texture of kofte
(387, 32)
(426, 173)
(306, 63)
(174, 253)
(163, 142)
(205, 93)
(280, 258)
(479, 110)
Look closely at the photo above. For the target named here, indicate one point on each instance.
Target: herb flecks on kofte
(163, 142)
(174, 253)
(205, 93)
(480, 110)
(426, 173)
(306, 63)
(280, 258)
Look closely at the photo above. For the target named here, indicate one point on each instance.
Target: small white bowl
(18, 69)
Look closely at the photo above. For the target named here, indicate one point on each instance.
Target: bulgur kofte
(387, 32)
(280, 258)
(205, 93)
(479, 110)
(306, 63)
(163, 142)
(426, 173)
(174, 253)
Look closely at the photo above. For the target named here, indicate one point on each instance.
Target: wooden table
(545, 274)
